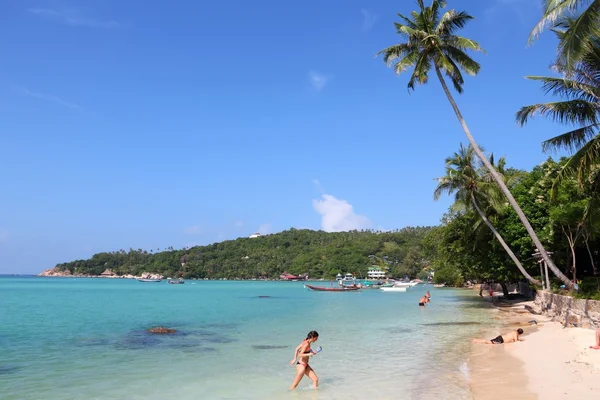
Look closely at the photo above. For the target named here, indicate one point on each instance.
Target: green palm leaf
(569, 88)
(572, 140)
(570, 111)
(572, 45)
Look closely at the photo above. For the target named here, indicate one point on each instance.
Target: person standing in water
(301, 355)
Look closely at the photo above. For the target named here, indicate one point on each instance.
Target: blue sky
(154, 124)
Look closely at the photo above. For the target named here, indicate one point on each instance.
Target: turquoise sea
(78, 338)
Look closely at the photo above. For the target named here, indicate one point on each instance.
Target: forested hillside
(316, 253)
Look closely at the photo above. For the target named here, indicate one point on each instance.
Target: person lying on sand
(597, 346)
(508, 338)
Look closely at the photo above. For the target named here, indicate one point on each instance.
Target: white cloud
(264, 229)
(3, 235)
(193, 230)
(318, 80)
(49, 97)
(368, 19)
(338, 215)
(73, 19)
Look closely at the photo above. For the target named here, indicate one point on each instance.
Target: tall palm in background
(584, 27)
(471, 187)
(430, 42)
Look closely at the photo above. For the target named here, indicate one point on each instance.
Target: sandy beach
(552, 363)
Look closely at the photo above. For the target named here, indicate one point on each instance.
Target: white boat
(148, 280)
(349, 278)
(394, 288)
(439, 285)
(402, 284)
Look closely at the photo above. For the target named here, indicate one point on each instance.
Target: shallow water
(73, 338)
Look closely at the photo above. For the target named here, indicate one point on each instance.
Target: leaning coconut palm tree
(585, 26)
(430, 42)
(469, 187)
(581, 90)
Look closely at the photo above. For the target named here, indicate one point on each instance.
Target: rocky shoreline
(55, 272)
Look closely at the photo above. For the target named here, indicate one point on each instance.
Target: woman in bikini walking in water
(301, 355)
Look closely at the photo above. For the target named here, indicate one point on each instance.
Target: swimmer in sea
(301, 355)
(423, 300)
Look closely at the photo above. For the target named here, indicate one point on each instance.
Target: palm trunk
(503, 243)
(587, 245)
(572, 247)
(503, 187)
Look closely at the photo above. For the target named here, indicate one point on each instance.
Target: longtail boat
(332, 289)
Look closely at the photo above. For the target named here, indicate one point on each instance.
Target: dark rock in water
(219, 325)
(267, 347)
(92, 342)
(137, 340)
(264, 297)
(161, 330)
(395, 329)
(7, 370)
(218, 339)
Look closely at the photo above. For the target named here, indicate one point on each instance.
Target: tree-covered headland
(316, 253)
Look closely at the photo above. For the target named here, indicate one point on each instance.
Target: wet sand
(552, 363)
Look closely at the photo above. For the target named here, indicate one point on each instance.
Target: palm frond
(586, 158)
(420, 72)
(392, 53)
(408, 61)
(453, 72)
(571, 111)
(569, 88)
(572, 45)
(408, 22)
(553, 10)
(572, 140)
(463, 43)
(451, 21)
(466, 63)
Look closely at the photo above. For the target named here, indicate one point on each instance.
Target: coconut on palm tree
(470, 187)
(430, 41)
(584, 26)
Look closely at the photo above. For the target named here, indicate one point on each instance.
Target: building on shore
(107, 272)
(375, 273)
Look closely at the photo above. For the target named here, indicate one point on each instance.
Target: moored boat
(179, 281)
(148, 280)
(394, 288)
(333, 289)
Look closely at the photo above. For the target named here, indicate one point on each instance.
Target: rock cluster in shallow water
(161, 329)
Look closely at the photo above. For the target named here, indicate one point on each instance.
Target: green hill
(316, 253)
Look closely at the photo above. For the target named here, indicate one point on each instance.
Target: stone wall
(569, 311)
